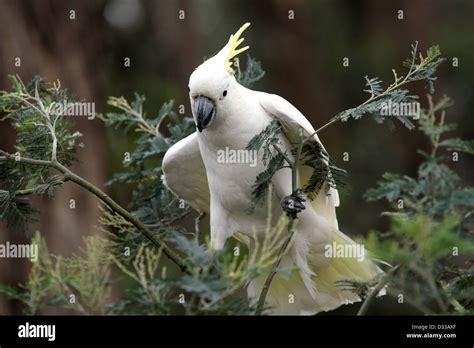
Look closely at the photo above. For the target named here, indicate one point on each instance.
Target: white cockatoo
(228, 115)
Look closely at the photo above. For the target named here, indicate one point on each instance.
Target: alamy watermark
(28, 330)
(228, 155)
(408, 109)
(11, 250)
(337, 250)
(65, 108)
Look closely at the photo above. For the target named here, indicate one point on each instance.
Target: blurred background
(84, 44)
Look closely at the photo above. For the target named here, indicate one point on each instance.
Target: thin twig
(436, 140)
(197, 226)
(42, 110)
(287, 159)
(266, 286)
(381, 284)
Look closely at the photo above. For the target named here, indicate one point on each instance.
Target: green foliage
(212, 285)
(252, 73)
(427, 253)
(209, 288)
(436, 190)
(33, 111)
(312, 155)
(44, 134)
(16, 210)
(15, 205)
(78, 283)
(324, 171)
(151, 143)
(429, 233)
(456, 144)
(264, 179)
(151, 202)
(265, 140)
(419, 68)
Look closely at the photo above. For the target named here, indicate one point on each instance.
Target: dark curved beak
(204, 110)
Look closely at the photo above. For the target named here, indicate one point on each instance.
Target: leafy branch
(431, 227)
(70, 176)
(33, 106)
(419, 68)
(437, 190)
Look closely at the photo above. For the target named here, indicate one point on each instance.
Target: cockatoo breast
(230, 167)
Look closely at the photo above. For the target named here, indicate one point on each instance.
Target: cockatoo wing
(292, 120)
(185, 175)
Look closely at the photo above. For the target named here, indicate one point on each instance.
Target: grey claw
(293, 204)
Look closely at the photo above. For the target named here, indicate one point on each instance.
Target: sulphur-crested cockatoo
(228, 115)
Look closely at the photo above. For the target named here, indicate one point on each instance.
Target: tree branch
(365, 306)
(395, 85)
(70, 176)
(280, 151)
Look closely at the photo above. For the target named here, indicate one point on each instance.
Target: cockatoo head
(212, 81)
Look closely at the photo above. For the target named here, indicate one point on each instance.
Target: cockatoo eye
(189, 89)
(224, 93)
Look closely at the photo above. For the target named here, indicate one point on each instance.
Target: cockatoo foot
(293, 204)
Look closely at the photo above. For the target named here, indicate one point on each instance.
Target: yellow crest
(233, 44)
